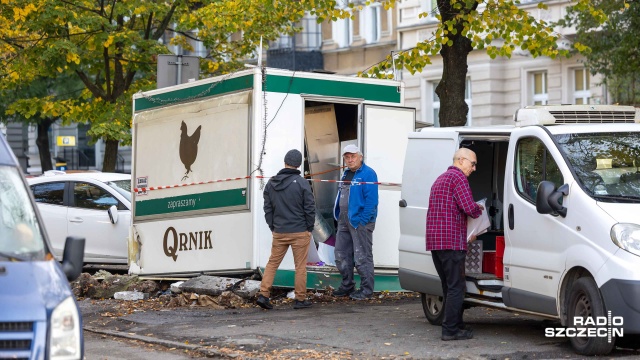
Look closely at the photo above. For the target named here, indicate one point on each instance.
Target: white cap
(350, 149)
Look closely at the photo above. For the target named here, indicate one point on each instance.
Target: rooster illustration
(188, 148)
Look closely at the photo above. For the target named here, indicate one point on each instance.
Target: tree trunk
(110, 156)
(451, 89)
(43, 144)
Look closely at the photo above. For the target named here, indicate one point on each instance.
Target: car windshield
(606, 164)
(20, 235)
(123, 187)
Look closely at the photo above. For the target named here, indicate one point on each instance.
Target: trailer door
(385, 132)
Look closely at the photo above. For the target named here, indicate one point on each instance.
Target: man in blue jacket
(355, 210)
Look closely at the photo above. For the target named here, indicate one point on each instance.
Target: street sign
(66, 141)
(177, 69)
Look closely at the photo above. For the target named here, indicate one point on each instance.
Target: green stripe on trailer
(318, 279)
(195, 92)
(300, 85)
(201, 201)
(275, 83)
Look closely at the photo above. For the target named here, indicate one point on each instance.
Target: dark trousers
(450, 267)
(355, 246)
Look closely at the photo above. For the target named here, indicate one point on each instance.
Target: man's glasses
(473, 163)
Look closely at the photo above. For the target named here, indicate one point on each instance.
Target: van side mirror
(548, 199)
(73, 257)
(113, 214)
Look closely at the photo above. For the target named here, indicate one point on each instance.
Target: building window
(581, 87)
(308, 39)
(342, 32)
(435, 102)
(373, 25)
(430, 7)
(538, 81)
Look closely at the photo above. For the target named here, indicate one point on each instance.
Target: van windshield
(607, 164)
(20, 235)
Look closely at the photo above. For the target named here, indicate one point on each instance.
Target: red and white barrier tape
(261, 177)
(188, 184)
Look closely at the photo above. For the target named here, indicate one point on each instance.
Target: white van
(563, 191)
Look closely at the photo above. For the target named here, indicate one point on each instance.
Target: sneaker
(359, 295)
(264, 302)
(342, 292)
(460, 335)
(302, 304)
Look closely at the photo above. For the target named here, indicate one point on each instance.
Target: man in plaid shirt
(450, 203)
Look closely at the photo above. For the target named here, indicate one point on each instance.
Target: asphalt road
(341, 330)
(105, 347)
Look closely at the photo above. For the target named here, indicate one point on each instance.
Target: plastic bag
(326, 253)
(479, 225)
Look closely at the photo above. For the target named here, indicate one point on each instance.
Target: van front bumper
(621, 298)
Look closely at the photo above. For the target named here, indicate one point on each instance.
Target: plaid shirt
(449, 204)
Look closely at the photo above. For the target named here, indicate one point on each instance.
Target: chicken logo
(188, 148)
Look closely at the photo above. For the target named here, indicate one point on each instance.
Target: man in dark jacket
(290, 211)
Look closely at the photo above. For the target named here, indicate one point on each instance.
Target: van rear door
(429, 153)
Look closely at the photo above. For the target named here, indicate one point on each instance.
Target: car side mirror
(113, 214)
(548, 198)
(73, 257)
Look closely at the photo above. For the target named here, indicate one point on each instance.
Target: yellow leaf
(109, 41)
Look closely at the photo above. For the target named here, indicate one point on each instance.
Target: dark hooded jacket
(289, 206)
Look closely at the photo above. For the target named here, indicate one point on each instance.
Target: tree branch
(165, 22)
(95, 89)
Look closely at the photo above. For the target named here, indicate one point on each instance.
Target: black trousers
(450, 267)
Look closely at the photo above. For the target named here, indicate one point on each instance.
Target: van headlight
(627, 237)
(64, 338)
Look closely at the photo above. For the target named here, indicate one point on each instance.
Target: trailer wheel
(584, 302)
(433, 307)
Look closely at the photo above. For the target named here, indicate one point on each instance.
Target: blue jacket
(363, 198)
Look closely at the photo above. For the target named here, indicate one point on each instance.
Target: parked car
(39, 316)
(93, 205)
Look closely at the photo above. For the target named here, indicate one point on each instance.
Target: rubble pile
(202, 291)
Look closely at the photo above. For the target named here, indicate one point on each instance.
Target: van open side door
(428, 155)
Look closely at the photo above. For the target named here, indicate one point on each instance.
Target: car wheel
(585, 302)
(433, 307)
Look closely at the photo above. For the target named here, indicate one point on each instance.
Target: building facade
(353, 45)
(496, 88)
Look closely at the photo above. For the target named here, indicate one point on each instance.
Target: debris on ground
(130, 295)
(142, 295)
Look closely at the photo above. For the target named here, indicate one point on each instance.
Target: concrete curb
(166, 343)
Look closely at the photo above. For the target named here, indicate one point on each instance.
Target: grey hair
(461, 152)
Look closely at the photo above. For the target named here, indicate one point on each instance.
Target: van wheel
(585, 302)
(433, 307)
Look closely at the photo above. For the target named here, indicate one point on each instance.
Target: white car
(92, 205)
